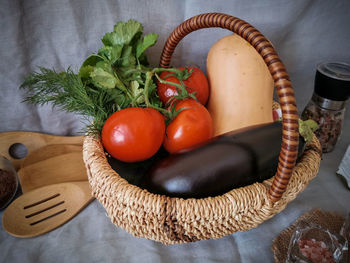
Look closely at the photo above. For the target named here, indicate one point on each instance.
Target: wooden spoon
(44, 209)
(32, 141)
(68, 167)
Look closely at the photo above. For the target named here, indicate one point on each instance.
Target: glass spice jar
(327, 105)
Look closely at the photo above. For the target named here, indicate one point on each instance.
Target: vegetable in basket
(116, 79)
(192, 78)
(191, 126)
(231, 160)
(136, 140)
(241, 86)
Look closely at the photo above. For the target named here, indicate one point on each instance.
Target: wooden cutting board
(52, 164)
(32, 141)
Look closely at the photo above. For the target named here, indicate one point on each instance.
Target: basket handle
(285, 92)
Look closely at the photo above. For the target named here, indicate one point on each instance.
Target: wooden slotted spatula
(44, 209)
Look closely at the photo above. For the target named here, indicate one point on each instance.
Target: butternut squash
(241, 87)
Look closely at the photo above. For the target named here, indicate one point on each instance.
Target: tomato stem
(178, 86)
(160, 70)
(179, 74)
(181, 89)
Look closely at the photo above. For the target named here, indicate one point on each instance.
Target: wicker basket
(175, 220)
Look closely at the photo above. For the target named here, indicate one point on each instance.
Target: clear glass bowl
(8, 182)
(312, 243)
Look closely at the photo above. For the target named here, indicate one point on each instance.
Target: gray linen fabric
(59, 34)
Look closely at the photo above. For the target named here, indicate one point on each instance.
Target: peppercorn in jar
(327, 105)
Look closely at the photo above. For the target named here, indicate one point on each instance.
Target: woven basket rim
(118, 196)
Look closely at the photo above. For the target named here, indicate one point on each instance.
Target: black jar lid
(332, 81)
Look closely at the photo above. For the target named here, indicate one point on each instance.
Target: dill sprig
(66, 91)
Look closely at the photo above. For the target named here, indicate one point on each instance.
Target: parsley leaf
(137, 92)
(123, 34)
(148, 41)
(111, 53)
(103, 79)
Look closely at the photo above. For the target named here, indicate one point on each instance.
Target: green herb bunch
(117, 77)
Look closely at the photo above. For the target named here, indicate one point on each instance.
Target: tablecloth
(58, 34)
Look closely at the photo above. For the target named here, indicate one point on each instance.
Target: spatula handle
(32, 141)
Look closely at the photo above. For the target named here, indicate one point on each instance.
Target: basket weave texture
(176, 220)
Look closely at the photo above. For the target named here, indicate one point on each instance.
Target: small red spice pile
(316, 251)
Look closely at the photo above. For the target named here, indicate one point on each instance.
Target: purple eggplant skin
(228, 161)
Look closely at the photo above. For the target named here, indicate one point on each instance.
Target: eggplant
(228, 161)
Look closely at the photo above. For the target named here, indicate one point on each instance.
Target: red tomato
(190, 127)
(133, 134)
(196, 82)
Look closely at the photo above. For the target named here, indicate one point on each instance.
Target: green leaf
(118, 98)
(92, 60)
(105, 51)
(311, 124)
(84, 72)
(306, 129)
(105, 66)
(143, 60)
(116, 53)
(103, 79)
(87, 66)
(129, 30)
(110, 39)
(127, 58)
(148, 41)
(124, 33)
(137, 92)
(111, 53)
(153, 97)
